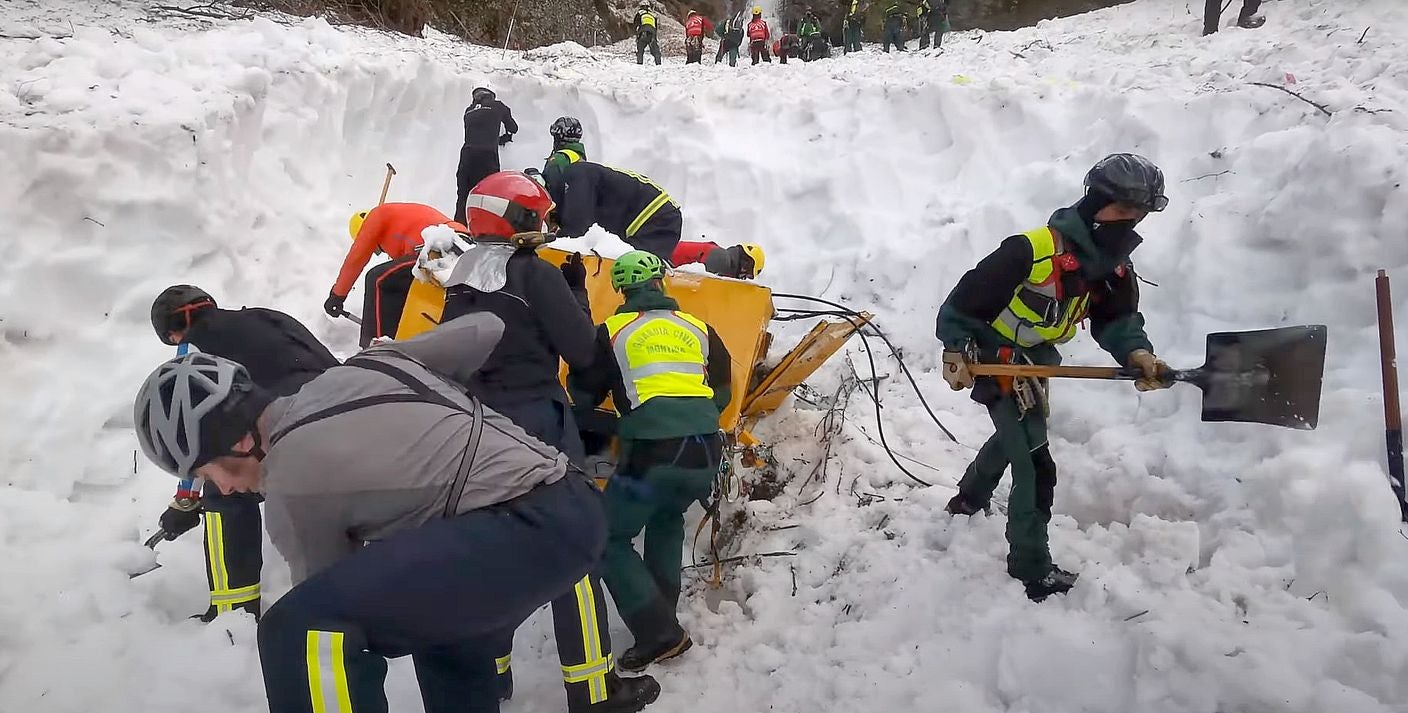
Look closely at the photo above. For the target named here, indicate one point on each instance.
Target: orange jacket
(394, 228)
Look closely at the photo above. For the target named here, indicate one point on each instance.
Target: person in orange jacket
(758, 36)
(395, 230)
(741, 262)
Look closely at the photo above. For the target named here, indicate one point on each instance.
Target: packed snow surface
(1225, 567)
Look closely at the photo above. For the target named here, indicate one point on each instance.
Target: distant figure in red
(758, 36)
(742, 262)
(695, 27)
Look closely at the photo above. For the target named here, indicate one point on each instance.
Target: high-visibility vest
(1039, 312)
(647, 20)
(572, 156)
(660, 353)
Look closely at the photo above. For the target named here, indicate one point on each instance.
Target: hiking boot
(959, 505)
(1251, 22)
(624, 695)
(638, 657)
(1056, 581)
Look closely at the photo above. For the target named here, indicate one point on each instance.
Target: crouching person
(428, 539)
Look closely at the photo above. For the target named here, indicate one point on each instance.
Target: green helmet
(635, 268)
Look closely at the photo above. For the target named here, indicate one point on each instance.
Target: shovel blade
(1270, 376)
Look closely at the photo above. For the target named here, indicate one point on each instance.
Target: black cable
(893, 352)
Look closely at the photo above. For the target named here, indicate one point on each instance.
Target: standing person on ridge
(758, 36)
(731, 38)
(644, 22)
(546, 319)
(1020, 302)
(625, 203)
(567, 147)
(854, 24)
(894, 27)
(282, 356)
(393, 229)
(669, 376)
(480, 155)
(695, 27)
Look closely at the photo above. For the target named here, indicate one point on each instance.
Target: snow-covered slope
(1226, 567)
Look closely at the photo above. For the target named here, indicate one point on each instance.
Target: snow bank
(1225, 567)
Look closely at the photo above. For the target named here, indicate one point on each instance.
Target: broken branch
(1317, 105)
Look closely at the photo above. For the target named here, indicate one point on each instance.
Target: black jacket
(592, 193)
(482, 122)
(279, 352)
(543, 318)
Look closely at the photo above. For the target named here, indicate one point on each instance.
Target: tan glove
(1154, 370)
(956, 370)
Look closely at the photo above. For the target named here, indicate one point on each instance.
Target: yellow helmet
(754, 253)
(354, 225)
(757, 9)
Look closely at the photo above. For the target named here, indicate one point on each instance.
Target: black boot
(624, 695)
(959, 505)
(504, 682)
(658, 635)
(210, 614)
(1056, 581)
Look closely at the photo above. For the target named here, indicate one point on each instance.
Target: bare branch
(1317, 105)
(1206, 175)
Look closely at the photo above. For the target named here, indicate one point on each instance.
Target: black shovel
(1267, 376)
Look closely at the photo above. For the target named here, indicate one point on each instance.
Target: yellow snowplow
(738, 310)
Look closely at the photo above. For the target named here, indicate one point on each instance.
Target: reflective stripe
(215, 560)
(647, 19)
(1055, 323)
(647, 214)
(327, 675)
(593, 671)
(572, 156)
(503, 663)
(669, 360)
(231, 597)
(494, 204)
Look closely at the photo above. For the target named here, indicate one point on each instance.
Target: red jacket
(697, 26)
(394, 228)
(758, 30)
(687, 252)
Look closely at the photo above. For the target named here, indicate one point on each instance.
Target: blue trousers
(442, 592)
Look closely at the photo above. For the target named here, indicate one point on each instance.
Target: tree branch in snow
(1317, 105)
(740, 558)
(209, 10)
(1206, 175)
(1366, 34)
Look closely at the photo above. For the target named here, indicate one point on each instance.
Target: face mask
(1116, 240)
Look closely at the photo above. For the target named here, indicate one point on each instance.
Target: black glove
(334, 305)
(575, 272)
(505, 139)
(177, 520)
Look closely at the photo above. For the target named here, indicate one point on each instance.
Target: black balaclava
(1115, 239)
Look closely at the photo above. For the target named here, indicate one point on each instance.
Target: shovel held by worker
(386, 185)
(1269, 376)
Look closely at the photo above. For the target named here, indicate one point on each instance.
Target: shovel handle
(1049, 372)
(386, 185)
(154, 539)
(355, 319)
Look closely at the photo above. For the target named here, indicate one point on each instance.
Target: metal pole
(1393, 415)
(509, 36)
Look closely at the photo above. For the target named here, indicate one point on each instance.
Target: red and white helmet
(506, 204)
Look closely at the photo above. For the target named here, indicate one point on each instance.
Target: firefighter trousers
(443, 593)
(234, 538)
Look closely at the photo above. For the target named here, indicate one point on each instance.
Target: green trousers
(1019, 441)
(655, 501)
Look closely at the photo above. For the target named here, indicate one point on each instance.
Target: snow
(1225, 567)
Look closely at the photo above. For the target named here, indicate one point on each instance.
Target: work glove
(956, 370)
(503, 140)
(575, 272)
(1153, 371)
(333, 306)
(180, 516)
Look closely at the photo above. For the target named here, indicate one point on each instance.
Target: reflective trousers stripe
(593, 671)
(650, 211)
(231, 597)
(327, 677)
(215, 556)
(503, 663)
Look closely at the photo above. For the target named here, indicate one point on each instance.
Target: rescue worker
(393, 229)
(282, 355)
(668, 373)
(922, 13)
(894, 27)
(567, 147)
(938, 24)
(1016, 306)
(854, 24)
(814, 44)
(731, 38)
(644, 23)
(414, 519)
(479, 157)
(758, 36)
(789, 45)
(740, 262)
(627, 204)
(695, 27)
(546, 318)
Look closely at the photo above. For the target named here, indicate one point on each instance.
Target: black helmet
(173, 308)
(482, 94)
(1128, 178)
(194, 409)
(566, 129)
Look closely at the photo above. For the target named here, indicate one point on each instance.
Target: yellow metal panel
(824, 340)
(424, 304)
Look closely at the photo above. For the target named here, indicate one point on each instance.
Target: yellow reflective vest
(1038, 312)
(660, 353)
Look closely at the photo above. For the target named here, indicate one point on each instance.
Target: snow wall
(1266, 563)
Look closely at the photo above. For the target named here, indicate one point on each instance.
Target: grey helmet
(566, 129)
(481, 95)
(186, 413)
(1128, 178)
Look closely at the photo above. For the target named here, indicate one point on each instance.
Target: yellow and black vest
(1039, 312)
(660, 353)
(647, 19)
